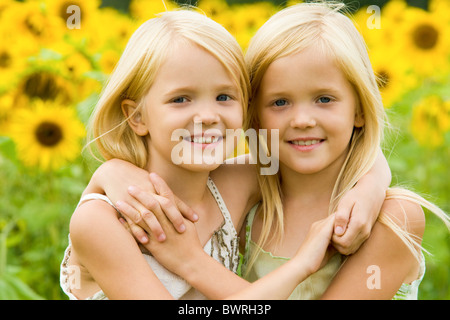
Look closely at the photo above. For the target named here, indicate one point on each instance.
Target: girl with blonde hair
(309, 66)
(311, 79)
(178, 69)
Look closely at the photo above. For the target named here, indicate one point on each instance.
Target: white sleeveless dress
(223, 246)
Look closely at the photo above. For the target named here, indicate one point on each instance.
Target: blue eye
(280, 103)
(179, 100)
(223, 97)
(324, 99)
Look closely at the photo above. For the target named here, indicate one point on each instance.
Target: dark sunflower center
(41, 85)
(383, 79)
(5, 59)
(425, 36)
(48, 134)
(33, 28)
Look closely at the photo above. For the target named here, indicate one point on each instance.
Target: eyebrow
(326, 89)
(188, 89)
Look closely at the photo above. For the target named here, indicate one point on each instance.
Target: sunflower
(58, 9)
(393, 75)
(248, 18)
(146, 9)
(29, 22)
(430, 121)
(426, 42)
(47, 135)
(113, 35)
(44, 84)
(6, 107)
(12, 64)
(386, 35)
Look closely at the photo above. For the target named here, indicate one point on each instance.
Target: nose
(206, 114)
(303, 118)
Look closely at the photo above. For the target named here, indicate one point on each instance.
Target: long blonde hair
(323, 25)
(136, 71)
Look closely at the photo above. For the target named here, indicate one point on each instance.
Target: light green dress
(315, 285)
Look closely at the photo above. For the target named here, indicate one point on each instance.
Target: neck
(312, 191)
(190, 186)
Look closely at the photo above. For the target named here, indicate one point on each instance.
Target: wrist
(300, 268)
(192, 269)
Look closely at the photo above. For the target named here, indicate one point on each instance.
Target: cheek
(267, 120)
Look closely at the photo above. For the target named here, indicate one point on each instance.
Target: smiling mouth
(203, 139)
(306, 142)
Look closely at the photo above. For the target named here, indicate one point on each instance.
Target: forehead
(188, 62)
(311, 66)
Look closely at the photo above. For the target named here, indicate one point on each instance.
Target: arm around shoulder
(389, 256)
(111, 255)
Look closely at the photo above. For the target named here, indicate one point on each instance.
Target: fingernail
(161, 237)
(182, 228)
(144, 239)
(195, 216)
(339, 230)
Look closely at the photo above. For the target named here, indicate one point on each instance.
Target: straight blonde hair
(324, 26)
(139, 65)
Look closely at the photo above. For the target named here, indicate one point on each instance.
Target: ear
(359, 120)
(359, 115)
(134, 117)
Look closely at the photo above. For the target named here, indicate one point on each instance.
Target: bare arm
(114, 178)
(359, 208)
(183, 255)
(111, 255)
(383, 255)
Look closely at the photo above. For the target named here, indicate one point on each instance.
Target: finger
(349, 242)
(125, 224)
(154, 225)
(172, 213)
(161, 186)
(130, 213)
(163, 189)
(343, 214)
(324, 226)
(171, 205)
(185, 210)
(152, 215)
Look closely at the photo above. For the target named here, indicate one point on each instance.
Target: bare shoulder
(90, 220)
(386, 251)
(406, 213)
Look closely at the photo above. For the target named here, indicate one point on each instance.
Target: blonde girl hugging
(178, 70)
(143, 139)
(312, 80)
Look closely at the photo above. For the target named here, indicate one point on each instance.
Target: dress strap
(223, 208)
(96, 196)
(224, 241)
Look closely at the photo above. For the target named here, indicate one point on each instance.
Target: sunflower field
(53, 66)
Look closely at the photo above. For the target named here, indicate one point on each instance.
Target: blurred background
(51, 75)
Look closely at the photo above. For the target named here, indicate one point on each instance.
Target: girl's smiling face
(312, 104)
(195, 93)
